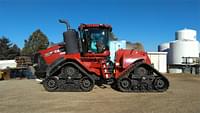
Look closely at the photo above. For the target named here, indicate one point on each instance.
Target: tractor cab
(94, 37)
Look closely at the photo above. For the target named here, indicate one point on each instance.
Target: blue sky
(150, 22)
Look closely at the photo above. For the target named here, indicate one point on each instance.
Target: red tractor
(83, 61)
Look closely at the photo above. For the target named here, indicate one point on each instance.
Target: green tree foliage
(37, 41)
(113, 36)
(8, 50)
(136, 46)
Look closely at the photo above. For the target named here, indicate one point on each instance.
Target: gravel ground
(28, 96)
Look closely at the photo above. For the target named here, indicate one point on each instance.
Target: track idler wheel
(160, 84)
(50, 84)
(86, 84)
(124, 84)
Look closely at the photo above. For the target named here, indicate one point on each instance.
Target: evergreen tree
(8, 50)
(37, 41)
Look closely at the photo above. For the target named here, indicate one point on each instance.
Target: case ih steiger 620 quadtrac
(83, 60)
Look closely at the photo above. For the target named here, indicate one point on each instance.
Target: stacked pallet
(23, 61)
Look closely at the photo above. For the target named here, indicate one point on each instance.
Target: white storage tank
(199, 49)
(180, 49)
(164, 47)
(186, 34)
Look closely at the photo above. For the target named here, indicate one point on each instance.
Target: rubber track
(132, 67)
(75, 85)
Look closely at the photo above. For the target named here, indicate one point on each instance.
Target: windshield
(96, 39)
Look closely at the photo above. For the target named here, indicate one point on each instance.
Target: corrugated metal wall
(159, 60)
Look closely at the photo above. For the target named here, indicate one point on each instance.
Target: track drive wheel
(141, 71)
(86, 84)
(50, 84)
(124, 84)
(69, 70)
(160, 84)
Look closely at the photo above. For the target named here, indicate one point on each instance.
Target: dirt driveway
(28, 96)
